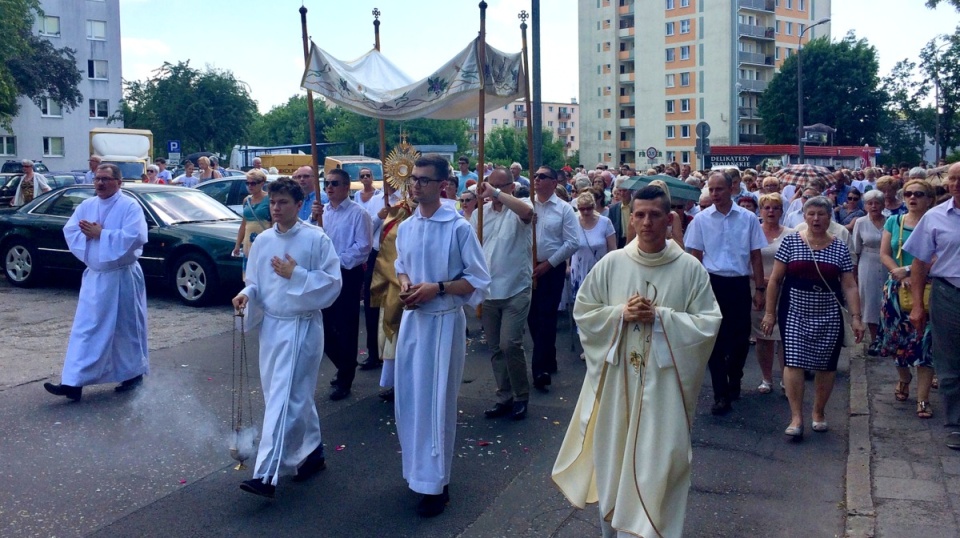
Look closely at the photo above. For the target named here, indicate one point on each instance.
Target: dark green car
(190, 239)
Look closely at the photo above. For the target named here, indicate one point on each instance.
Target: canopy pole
(526, 90)
(380, 123)
(480, 126)
(310, 116)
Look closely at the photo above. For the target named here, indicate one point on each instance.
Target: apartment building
(651, 70)
(562, 119)
(46, 132)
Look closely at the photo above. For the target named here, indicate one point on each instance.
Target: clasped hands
(414, 294)
(639, 308)
(90, 229)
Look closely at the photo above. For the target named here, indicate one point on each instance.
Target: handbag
(849, 338)
(905, 293)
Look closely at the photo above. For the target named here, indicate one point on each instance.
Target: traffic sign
(173, 146)
(173, 156)
(703, 129)
(652, 153)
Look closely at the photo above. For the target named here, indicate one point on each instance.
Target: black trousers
(542, 320)
(371, 315)
(733, 342)
(341, 326)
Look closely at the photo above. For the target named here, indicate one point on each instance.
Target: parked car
(229, 191)
(16, 167)
(55, 180)
(190, 239)
(78, 175)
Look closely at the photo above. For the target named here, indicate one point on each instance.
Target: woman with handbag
(814, 269)
(256, 214)
(899, 338)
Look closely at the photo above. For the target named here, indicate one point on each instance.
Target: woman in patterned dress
(866, 236)
(899, 338)
(814, 270)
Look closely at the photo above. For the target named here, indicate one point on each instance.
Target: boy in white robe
(648, 319)
(292, 274)
(108, 342)
(440, 267)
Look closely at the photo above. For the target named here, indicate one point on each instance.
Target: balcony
(562, 115)
(755, 58)
(564, 131)
(519, 114)
(626, 33)
(748, 113)
(756, 32)
(627, 77)
(751, 138)
(758, 86)
(625, 9)
(626, 123)
(625, 55)
(626, 144)
(625, 99)
(757, 5)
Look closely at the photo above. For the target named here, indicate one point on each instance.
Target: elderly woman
(153, 172)
(256, 213)
(597, 238)
(866, 237)
(747, 202)
(899, 338)
(468, 203)
(851, 210)
(771, 209)
(892, 205)
(770, 185)
(813, 269)
(206, 171)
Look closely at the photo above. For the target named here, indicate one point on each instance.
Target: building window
(670, 28)
(53, 146)
(684, 131)
(789, 4)
(572, 138)
(789, 28)
(671, 80)
(670, 4)
(549, 124)
(97, 69)
(50, 108)
(685, 52)
(494, 121)
(518, 124)
(800, 28)
(777, 28)
(777, 54)
(97, 30)
(671, 131)
(684, 157)
(684, 105)
(50, 26)
(671, 52)
(800, 5)
(671, 156)
(685, 26)
(8, 145)
(549, 109)
(686, 3)
(98, 108)
(670, 106)
(685, 79)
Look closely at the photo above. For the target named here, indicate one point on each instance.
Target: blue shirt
(462, 181)
(307, 208)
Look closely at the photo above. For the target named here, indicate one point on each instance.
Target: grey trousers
(503, 322)
(944, 322)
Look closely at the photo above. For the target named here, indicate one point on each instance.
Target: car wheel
(195, 279)
(20, 264)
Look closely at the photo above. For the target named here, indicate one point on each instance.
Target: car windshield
(12, 182)
(179, 206)
(128, 170)
(354, 170)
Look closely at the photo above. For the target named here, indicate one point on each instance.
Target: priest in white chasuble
(648, 320)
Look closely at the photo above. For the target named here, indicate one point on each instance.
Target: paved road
(154, 462)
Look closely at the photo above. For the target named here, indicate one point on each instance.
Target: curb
(861, 516)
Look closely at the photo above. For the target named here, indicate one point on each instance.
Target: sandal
(923, 410)
(765, 387)
(902, 392)
(935, 384)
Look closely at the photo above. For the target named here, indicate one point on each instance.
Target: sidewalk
(901, 478)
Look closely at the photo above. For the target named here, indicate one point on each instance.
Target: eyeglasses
(102, 179)
(914, 194)
(586, 208)
(544, 176)
(366, 175)
(252, 183)
(422, 181)
(303, 176)
(334, 183)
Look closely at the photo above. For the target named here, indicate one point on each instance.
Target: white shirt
(186, 181)
(88, 177)
(725, 240)
(348, 226)
(373, 207)
(507, 249)
(557, 227)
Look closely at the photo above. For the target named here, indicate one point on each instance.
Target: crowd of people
(798, 269)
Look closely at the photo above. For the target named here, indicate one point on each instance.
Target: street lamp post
(936, 87)
(800, 87)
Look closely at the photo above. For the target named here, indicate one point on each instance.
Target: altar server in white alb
(292, 274)
(108, 342)
(648, 319)
(441, 268)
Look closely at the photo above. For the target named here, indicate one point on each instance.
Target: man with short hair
(464, 174)
(31, 185)
(685, 171)
(292, 274)
(108, 342)
(557, 240)
(515, 170)
(258, 165)
(727, 239)
(647, 320)
(507, 249)
(441, 268)
(304, 177)
(349, 227)
(163, 174)
(93, 162)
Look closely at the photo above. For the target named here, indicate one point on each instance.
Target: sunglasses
(151, 171)
(914, 194)
(303, 176)
(543, 176)
(586, 208)
(852, 199)
(366, 175)
(465, 200)
(252, 183)
(334, 183)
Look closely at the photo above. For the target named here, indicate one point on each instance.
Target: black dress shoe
(519, 411)
(371, 364)
(734, 392)
(72, 393)
(541, 382)
(257, 487)
(313, 464)
(499, 410)
(333, 382)
(433, 505)
(721, 407)
(339, 393)
(129, 384)
(387, 395)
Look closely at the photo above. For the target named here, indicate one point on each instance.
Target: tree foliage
(288, 123)
(506, 144)
(206, 110)
(840, 89)
(932, 4)
(353, 129)
(31, 66)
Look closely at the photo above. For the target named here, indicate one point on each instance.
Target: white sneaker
(765, 387)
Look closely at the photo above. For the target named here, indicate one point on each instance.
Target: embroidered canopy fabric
(373, 86)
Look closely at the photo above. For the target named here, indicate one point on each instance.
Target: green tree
(840, 89)
(287, 124)
(932, 4)
(31, 66)
(353, 129)
(206, 110)
(506, 144)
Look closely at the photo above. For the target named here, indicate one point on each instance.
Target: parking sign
(173, 146)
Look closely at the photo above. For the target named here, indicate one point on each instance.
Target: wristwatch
(496, 193)
(442, 291)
